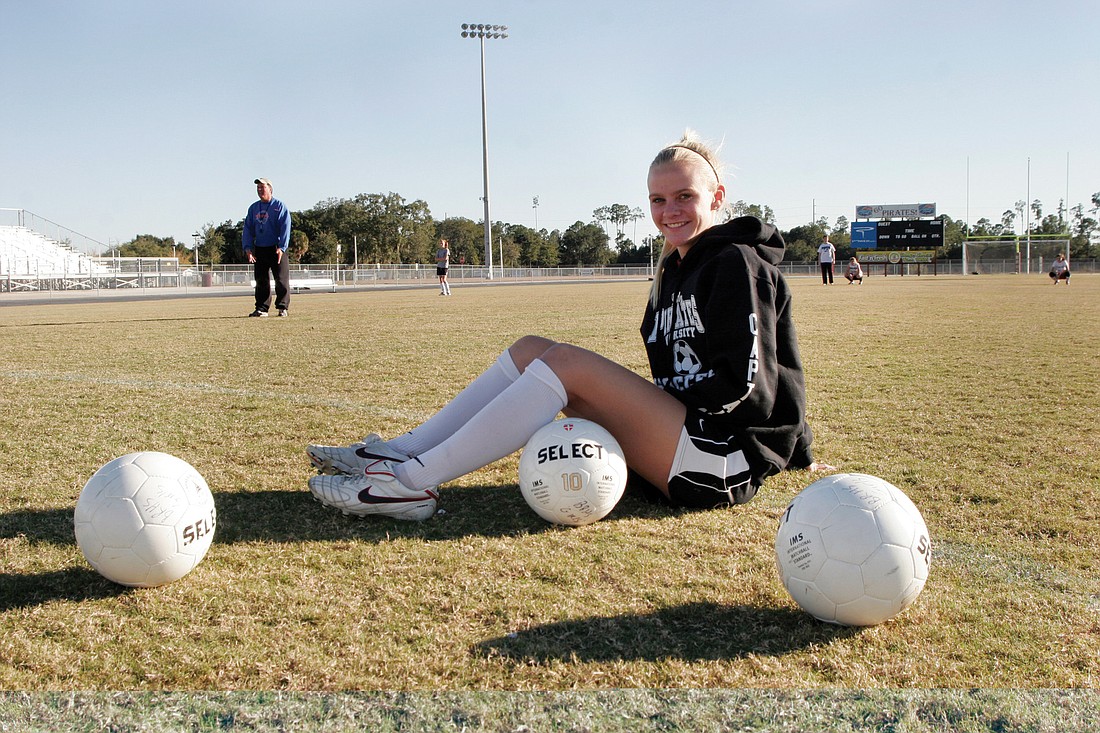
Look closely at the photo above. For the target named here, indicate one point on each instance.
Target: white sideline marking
(307, 283)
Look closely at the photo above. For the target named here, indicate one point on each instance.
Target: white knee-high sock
(501, 428)
(456, 413)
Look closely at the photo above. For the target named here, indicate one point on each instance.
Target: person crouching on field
(1060, 269)
(725, 408)
(854, 273)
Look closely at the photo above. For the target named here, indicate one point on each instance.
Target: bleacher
(28, 260)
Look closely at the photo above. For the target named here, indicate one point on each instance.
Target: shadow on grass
(72, 584)
(294, 516)
(690, 632)
(39, 526)
(288, 517)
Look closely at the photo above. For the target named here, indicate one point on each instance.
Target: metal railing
(51, 230)
(129, 273)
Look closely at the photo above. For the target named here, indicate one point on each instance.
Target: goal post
(988, 254)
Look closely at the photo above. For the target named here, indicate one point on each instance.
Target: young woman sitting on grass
(725, 407)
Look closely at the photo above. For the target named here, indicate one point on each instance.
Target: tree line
(386, 229)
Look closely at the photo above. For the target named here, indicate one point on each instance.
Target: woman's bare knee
(528, 348)
(571, 362)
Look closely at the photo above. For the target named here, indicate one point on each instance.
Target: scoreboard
(920, 233)
(897, 234)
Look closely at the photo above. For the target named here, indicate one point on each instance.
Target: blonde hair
(689, 148)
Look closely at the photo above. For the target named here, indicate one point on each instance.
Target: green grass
(606, 711)
(979, 397)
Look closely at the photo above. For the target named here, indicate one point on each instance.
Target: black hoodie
(722, 341)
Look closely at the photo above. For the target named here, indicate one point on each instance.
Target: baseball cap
(263, 181)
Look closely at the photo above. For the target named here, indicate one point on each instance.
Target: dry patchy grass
(978, 397)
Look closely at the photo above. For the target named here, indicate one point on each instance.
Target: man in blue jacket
(265, 239)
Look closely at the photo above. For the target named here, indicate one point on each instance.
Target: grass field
(979, 397)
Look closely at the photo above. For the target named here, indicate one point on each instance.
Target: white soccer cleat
(376, 491)
(353, 459)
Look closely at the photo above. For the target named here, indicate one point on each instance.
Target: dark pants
(265, 268)
(827, 272)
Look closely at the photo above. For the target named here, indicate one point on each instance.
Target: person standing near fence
(265, 239)
(826, 257)
(442, 264)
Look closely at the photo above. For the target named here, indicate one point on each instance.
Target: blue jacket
(266, 225)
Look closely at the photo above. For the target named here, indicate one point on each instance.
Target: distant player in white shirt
(855, 272)
(442, 263)
(826, 257)
(1060, 269)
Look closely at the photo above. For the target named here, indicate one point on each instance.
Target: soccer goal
(1012, 254)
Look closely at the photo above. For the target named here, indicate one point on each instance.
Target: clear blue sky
(127, 117)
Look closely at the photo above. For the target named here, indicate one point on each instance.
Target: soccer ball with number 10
(572, 472)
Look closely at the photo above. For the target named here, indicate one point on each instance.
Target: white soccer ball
(572, 472)
(852, 549)
(145, 519)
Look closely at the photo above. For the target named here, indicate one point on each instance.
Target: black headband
(685, 147)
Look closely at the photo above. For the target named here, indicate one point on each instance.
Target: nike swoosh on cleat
(369, 472)
(365, 497)
(366, 453)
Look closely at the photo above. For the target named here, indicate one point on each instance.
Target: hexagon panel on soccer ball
(170, 569)
(850, 534)
(162, 500)
(857, 489)
(155, 543)
(88, 541)
(896, 524)
(578, 511)
(889, 571)
(811, 600)
(124, 481)
(865, 611)
(813, 505)
(122, 565)
(116, 522)
(841, 582)
(800, 550)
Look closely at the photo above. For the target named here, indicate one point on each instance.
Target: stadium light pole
(481, 31)
(1028, 209)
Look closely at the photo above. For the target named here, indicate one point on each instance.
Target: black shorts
(709, 470)
(441, 272)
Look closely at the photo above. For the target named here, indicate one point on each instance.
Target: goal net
(997, 255)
